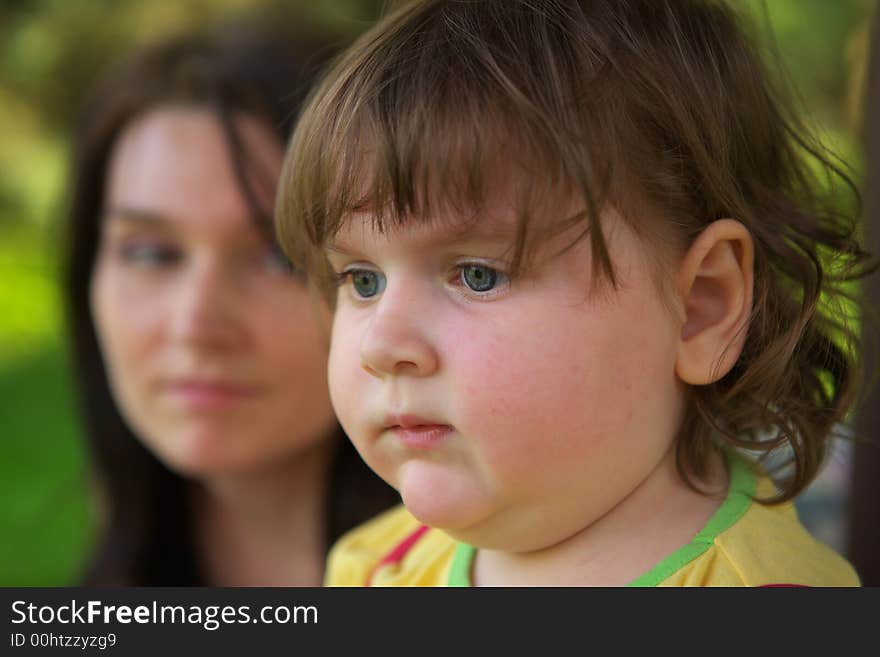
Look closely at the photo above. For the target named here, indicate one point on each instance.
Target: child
(576, 253)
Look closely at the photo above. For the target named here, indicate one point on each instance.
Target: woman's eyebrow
(136, 215)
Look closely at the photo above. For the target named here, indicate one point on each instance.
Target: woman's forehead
(177, 165)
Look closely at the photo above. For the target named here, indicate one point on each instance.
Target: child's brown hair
(658, 107)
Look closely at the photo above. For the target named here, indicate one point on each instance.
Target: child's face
(510, 413)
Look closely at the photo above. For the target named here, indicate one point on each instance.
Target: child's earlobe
(715, 280)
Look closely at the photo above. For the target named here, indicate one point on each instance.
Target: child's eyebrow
(335, 248)
(480, 230)
(448, 235)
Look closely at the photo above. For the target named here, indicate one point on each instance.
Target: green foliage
(45, 513)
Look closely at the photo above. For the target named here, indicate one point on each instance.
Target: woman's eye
(149, 254)
(366, 283)
(275, 260)
(481, 278)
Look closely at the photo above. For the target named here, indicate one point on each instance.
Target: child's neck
(658, 517)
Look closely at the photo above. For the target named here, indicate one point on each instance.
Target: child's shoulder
(771, 546)
(766, 546)
(391, 549)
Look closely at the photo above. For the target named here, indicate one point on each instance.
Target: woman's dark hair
(256, 67)
(661, 108)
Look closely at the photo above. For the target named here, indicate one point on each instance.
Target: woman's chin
(201, 457)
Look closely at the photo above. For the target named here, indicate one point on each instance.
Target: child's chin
(442, 496)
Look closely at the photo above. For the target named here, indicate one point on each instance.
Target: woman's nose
(205, 309)
(397, 341)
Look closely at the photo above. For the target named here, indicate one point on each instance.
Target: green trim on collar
(739, 497)
(462, 559)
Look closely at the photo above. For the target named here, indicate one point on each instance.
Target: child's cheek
(522, 395)
(344, 377)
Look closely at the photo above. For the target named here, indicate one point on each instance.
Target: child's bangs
(403, 131)
(450, 161)
(432, 165)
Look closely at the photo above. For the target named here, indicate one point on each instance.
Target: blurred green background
(50, 53)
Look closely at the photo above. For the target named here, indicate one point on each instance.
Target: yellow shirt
(744, 544)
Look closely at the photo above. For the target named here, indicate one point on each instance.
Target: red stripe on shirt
(398, 552)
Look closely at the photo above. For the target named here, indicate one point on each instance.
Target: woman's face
(215, 353)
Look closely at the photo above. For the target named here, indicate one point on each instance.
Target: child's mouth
(416, 432)
(422, 436)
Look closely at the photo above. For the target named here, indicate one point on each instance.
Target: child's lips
(422, 436)
(416, 432)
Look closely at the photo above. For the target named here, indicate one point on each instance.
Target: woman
(200, 353)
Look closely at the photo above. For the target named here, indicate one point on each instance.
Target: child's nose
(396, 341)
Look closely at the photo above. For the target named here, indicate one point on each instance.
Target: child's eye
(366, 282)
(480, 278)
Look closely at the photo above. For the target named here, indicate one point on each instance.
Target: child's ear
(715, 281)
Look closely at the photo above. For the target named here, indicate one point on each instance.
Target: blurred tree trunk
(864, 530)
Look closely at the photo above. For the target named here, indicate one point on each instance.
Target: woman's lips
(421, 436)
(208, 395)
